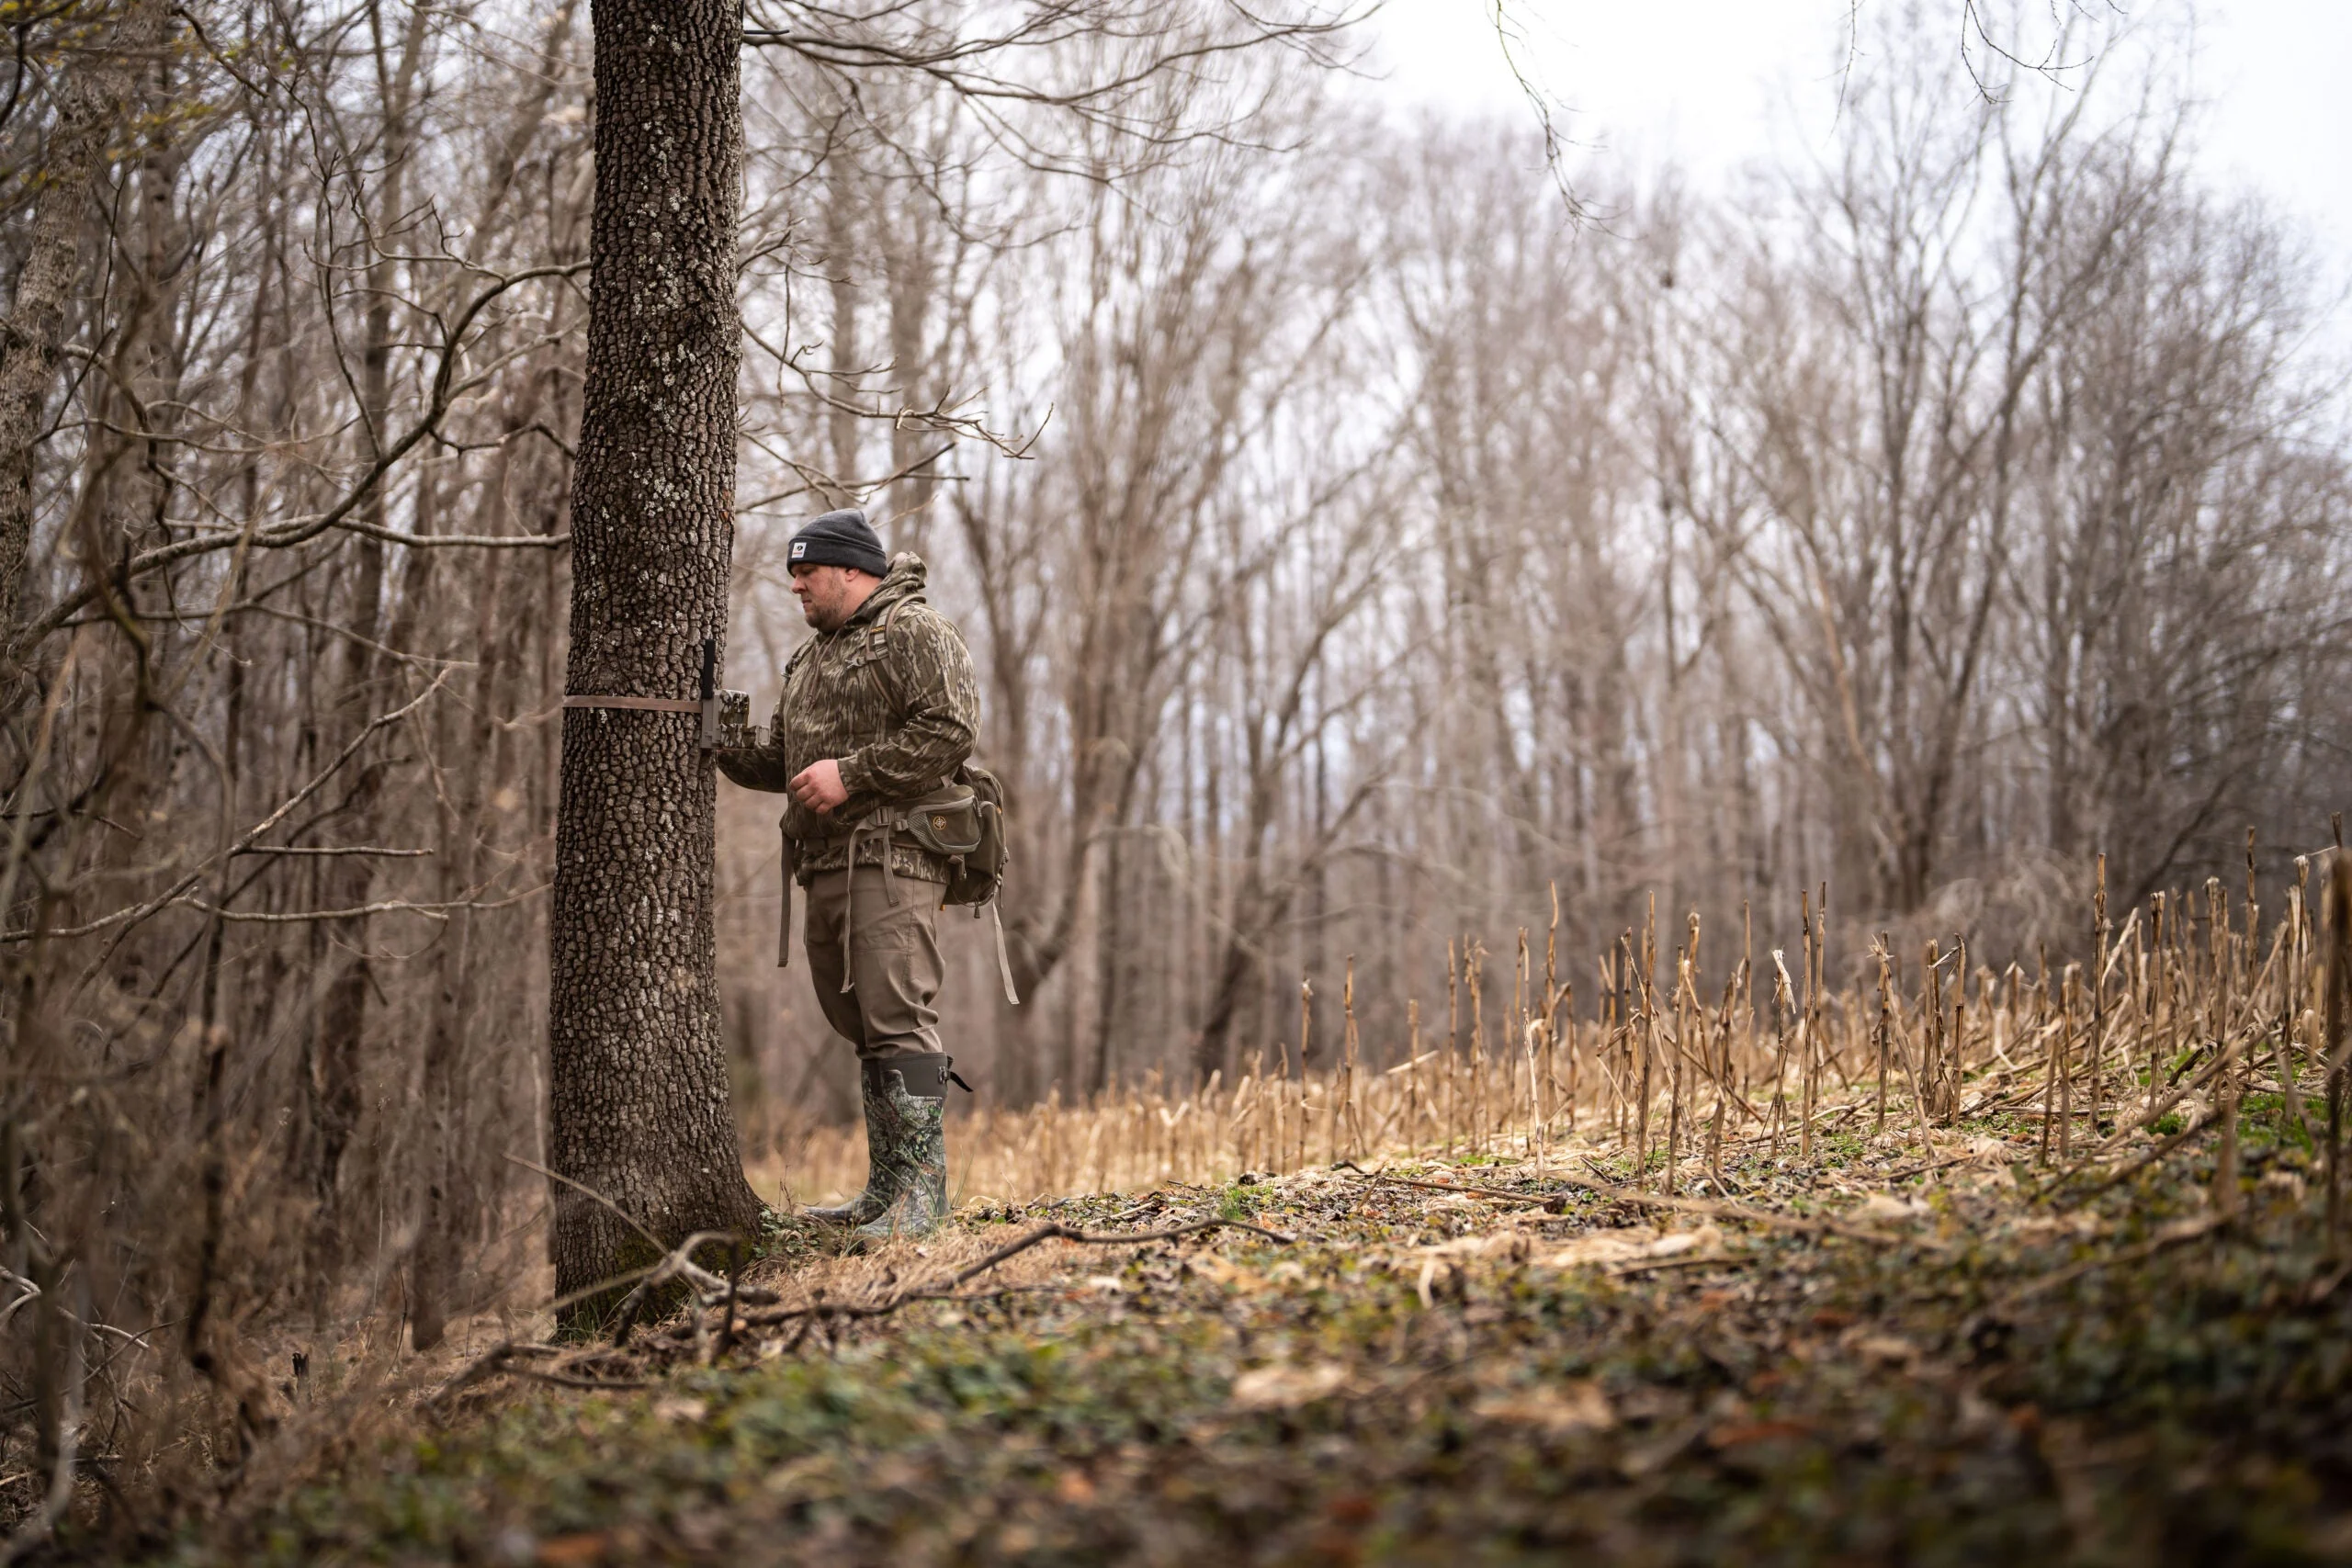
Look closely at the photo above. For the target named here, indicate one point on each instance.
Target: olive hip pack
(962, 822)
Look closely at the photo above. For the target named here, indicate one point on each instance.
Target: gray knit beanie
(838, 538)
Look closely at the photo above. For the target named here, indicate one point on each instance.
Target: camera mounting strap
(657, 704)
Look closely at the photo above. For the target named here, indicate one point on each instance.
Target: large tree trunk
(638, 1109)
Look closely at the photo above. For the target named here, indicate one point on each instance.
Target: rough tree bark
(638, 1107)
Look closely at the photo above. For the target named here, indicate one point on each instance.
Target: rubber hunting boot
(870, 1203)
(907, 1143)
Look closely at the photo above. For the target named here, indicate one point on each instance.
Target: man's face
(829, 595)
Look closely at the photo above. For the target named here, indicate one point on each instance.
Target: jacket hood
(903, 582)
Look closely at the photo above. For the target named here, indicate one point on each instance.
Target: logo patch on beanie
(799, 549)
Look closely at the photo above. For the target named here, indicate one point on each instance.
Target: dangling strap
(849, 916)
(1003, 959)
(784, 917)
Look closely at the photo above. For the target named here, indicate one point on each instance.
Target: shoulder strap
(881, 631)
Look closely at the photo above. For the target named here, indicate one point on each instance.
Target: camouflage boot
(870, 1203)
(910, 1153)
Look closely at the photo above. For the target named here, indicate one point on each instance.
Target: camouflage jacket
(892, 697)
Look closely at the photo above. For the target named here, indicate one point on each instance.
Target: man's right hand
(818, 786)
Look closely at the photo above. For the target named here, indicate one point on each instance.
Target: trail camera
(726, 716)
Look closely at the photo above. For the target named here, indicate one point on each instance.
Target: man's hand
(818, 787)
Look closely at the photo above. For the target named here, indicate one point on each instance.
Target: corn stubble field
(1946, 1263)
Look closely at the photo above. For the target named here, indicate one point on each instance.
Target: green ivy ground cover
(1986, 1390)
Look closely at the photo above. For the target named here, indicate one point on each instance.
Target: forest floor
(1953, 1368)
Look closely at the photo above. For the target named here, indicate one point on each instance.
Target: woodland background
(1359, 539)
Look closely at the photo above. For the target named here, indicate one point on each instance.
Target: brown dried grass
(2187, 1006)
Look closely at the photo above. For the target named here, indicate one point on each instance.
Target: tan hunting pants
(890, 954)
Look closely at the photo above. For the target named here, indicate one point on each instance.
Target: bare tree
(640, 1132)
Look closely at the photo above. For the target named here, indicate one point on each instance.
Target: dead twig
(1908, 1172)
(1708, 1207)
(678, 1265)
(565, 1380)
(944, 1290)
(499, 1361)
(2117, 1175)
(2179, 1233)
(1654, 1265)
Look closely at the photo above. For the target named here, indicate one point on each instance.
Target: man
(878, 709)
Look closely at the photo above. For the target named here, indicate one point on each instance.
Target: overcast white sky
(1714, 83)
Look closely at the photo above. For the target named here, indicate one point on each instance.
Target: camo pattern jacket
(893, 698)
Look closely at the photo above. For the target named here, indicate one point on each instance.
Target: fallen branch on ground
(711, 1291)
(2178, 1234)
(2115, 1175)
(946, 1290)
(499, 1361)
(1711, 1209)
